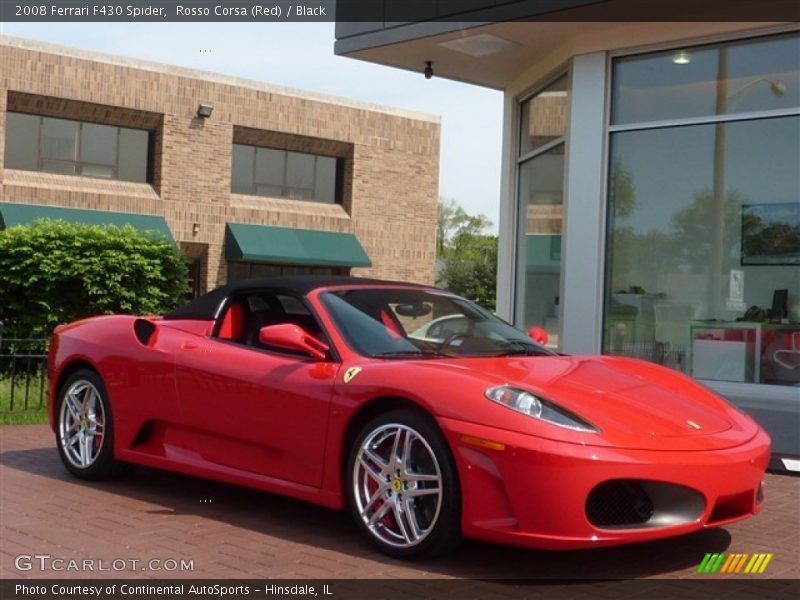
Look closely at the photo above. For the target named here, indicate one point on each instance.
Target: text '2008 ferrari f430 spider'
(426, 416)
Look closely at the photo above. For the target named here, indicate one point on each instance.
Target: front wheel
(403, 486)
(85, 432)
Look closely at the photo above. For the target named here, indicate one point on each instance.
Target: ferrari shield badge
(351, 373)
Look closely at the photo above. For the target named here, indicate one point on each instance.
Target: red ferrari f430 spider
(426, 416)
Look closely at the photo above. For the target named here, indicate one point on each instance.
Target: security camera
(428, 69)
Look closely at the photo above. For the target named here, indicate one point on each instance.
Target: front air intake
(640, 503)
(618, 503)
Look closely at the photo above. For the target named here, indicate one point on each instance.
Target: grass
(20, 415)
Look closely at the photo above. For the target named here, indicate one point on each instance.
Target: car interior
(247, 313)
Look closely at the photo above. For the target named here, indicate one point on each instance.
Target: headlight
(538, 408)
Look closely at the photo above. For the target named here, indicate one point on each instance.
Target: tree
(467, 256)
(454, 221)
(55, 272)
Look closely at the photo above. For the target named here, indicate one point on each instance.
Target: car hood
(635, 404)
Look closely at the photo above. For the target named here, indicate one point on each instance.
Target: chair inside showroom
(789, 358)
(672, 333)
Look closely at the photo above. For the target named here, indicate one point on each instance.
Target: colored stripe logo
(734, 563)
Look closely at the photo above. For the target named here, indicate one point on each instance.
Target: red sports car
(333, 390)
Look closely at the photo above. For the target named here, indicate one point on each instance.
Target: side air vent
(144, 331)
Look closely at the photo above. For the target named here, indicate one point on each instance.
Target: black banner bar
(386, 14)
(388, 589)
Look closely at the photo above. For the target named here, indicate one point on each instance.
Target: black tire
(102, 465)
(440, 517)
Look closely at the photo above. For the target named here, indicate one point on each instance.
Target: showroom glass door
(540, 167)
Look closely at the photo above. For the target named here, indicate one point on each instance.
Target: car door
(255, 409)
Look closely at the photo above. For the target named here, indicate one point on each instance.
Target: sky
(300, 55)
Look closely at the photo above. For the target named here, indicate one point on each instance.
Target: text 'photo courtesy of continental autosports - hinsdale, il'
(426, 416)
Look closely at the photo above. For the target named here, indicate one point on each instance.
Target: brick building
(274, 180)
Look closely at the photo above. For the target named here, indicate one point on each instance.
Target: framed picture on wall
(771, 234)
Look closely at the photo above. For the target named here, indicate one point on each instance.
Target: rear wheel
(85, 431)
(403, 487)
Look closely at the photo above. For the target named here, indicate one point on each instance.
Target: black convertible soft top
(205, 307)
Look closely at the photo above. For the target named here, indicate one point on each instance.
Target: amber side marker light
(482, 443)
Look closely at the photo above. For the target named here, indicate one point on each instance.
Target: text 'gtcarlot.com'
(46, 562)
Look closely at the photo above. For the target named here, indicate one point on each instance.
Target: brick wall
(391, 158)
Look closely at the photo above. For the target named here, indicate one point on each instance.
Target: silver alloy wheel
(81, 424)
(397, 485)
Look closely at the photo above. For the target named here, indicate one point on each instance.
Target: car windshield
(398, 323)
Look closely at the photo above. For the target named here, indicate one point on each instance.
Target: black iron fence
(23, 382)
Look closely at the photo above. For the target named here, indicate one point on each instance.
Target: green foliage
(467, 256)
(453, 221)
(36, 409)
(55, 272)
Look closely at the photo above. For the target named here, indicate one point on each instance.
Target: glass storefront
(703, 251)
(541, 200)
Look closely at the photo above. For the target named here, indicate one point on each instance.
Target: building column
(583, 246)
(508, 242)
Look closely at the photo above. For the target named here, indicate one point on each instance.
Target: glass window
(325, 182)
(102, 171)
(59, 139)
(242, 169)
(543, 127)
(238, 270)
(544, 117)
(541, 197)
(270, 171)
(133, 152)
(704, 249)
(300, 175)
(63, 146)
(58, 166)
(22, 141)
(703, 270)
(99, 144)
(283, 174)
(736, 77)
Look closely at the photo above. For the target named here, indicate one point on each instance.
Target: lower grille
(621, 502)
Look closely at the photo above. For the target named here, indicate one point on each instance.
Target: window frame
(338, 187)
(520, 208)
(78, 163)
(335, 270)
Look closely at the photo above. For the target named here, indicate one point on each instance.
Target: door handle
(188, 345)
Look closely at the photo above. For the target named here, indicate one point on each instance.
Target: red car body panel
(189, 402)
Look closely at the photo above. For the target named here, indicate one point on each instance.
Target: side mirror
(292, 337)
(538, 335)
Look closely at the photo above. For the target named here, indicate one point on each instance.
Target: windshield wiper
(522, 352)
(408, 353)
(520, 348)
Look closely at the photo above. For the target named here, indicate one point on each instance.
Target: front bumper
(528, 491)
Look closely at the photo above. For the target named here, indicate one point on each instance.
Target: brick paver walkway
(234, 532)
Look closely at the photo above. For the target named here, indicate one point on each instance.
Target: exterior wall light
(204, 110)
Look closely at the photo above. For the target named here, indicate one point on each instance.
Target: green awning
(284, 245)
(23, 214)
